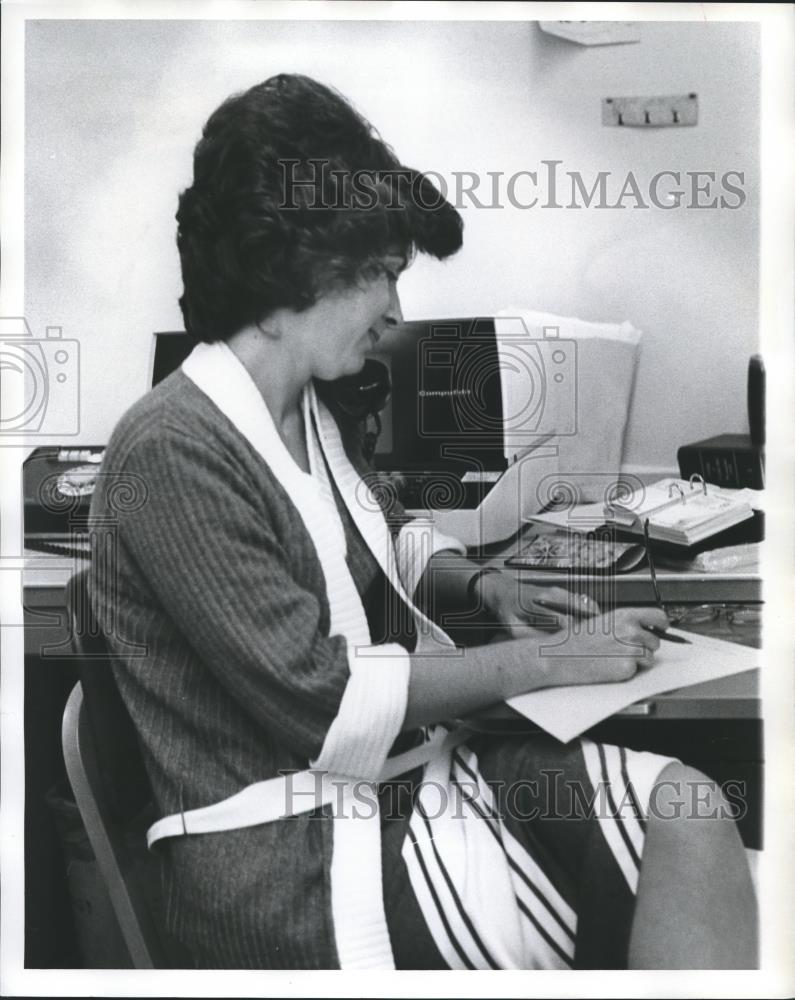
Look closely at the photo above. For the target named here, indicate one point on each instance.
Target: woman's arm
(609, 648)
(205, 551)
(452, 584)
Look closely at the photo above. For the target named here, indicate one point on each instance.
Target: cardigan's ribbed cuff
(416, 543)
(371, 712)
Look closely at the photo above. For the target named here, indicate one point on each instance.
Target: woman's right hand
(604, 649)
(595, 650)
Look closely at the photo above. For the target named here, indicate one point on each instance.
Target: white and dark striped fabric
(550, 894)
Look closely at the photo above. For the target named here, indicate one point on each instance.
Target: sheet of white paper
(580, 517)
(507, 505)
(566, 712)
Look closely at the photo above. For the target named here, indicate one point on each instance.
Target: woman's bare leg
(696, 906)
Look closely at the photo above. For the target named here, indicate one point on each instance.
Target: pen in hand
(668, 636)
(575, 612)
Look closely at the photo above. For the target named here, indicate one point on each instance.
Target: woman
(287, 665)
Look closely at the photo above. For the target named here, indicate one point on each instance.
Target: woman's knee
(683, 792)
(689, 811)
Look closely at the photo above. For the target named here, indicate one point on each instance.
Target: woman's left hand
(518, 606)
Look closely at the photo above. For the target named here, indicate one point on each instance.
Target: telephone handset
(362, 397)
(366, 392)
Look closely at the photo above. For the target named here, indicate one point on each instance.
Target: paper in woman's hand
(567, 712)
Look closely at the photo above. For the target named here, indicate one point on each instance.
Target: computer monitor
(446, 411)
(169, 350)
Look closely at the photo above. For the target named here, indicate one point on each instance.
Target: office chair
(112, 791)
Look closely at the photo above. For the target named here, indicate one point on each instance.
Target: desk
(636, 588)
(726, 698)
(735, 697)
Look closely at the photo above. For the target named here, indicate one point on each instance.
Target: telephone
(361, 397)
(58, 482)
(57, 488)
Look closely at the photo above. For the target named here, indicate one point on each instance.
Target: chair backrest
(105, 768)
(111, 853)
(123, 780)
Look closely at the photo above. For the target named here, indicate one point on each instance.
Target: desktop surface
(45, 576)
(636, 587)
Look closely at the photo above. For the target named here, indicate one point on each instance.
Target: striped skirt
(517, 854)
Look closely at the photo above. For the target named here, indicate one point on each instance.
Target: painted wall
(113, 110)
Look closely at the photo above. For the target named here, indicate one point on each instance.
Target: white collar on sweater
(377, 689)
(216, 370)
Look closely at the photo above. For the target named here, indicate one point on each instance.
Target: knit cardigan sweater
(215, 582)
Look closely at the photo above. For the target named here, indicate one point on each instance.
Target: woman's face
(347, 325)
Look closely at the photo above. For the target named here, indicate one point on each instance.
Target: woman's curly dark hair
(295, 194)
